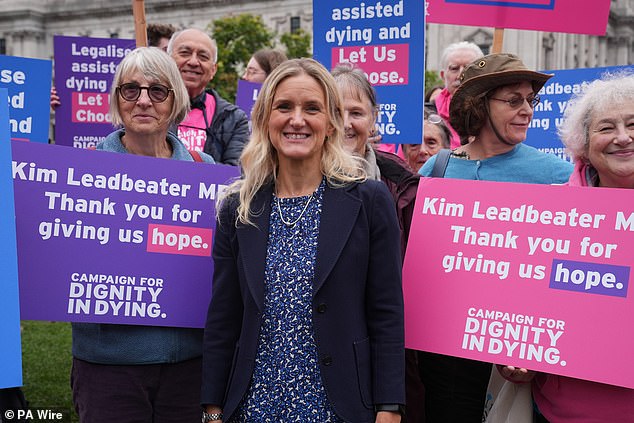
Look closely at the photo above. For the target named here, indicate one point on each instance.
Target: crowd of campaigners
(306, 318)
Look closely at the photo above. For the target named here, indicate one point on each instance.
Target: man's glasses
(516, 102)
(158, 93)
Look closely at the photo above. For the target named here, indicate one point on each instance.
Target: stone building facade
(27, 28)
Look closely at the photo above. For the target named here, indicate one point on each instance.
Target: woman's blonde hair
(259, 159)
(156, 66)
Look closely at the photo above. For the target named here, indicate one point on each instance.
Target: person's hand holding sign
(516, 374)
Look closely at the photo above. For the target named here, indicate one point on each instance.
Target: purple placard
(84, 68)
(246, 95)
(114, 238)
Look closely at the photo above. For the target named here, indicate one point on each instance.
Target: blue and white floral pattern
(286, 384)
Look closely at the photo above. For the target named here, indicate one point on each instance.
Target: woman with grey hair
(455, 57)
(124, 373)
(598, 130)
(360, 110)
(436, 136)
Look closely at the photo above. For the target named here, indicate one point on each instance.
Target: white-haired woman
(455, 57)
(125, 373)
(360, 111)
(306, 318)
(598, 130)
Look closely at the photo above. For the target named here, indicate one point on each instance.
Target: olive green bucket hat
(490, 72)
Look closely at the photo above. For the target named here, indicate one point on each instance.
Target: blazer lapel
(338, 215)
(253, 241)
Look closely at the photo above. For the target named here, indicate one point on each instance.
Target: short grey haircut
(612, 89)
(157, 67)
(349, 77)
(214, 45)
(462, 45)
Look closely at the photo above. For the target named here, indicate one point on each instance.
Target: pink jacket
(578, 175)
(566, 400)
(442, 105)
(563, 399)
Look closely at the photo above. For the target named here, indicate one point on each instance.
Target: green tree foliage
(238, 37)
(297, 43)
(432, 79)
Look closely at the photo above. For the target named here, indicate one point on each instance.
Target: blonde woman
(306, 318)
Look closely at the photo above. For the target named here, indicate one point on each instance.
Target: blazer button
(326, 361)
(321, 308)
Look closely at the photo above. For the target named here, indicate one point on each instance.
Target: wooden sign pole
(498, 40)
(140, 30)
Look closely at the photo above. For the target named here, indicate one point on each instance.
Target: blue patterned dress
(286, 384)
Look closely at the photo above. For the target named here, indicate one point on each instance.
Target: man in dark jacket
(213, 125)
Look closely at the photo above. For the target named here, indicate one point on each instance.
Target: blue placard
(543, 4)
(28, 82)
(10, 350)
(386, 39)
(554, 96)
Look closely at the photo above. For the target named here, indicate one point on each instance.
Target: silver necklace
(289, 224)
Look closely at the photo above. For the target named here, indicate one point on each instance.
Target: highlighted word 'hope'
(184, 240)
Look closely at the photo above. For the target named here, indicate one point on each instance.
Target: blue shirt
(521, 164)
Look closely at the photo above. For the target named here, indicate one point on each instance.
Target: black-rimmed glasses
(516, 102)
(131, 91)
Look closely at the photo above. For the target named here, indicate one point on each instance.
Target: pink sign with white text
(539, 15)
(85, 105)
(392, 60)
(534, 276)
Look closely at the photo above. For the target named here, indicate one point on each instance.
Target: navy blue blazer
(357, 302)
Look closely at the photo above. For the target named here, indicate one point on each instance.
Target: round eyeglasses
(433, 118)
(158, 93)
(516, 102)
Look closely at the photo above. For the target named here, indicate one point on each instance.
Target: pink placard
(385, 64)
(90, 107)
(539, 15)
(533, 276)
